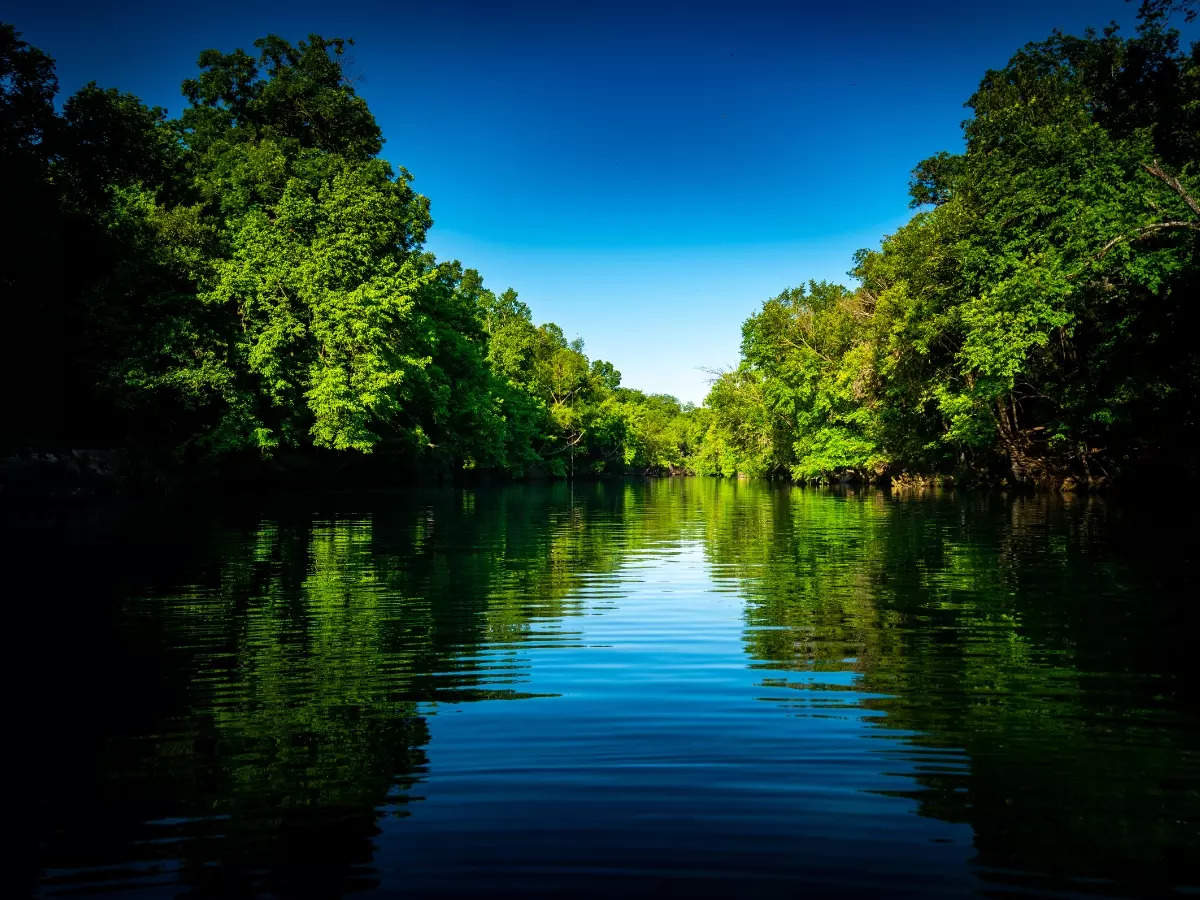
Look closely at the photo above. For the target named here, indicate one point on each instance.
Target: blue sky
(643, 174)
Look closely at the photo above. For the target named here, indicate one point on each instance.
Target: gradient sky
(644, 174)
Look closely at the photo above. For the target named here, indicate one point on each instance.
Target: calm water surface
(678, 688)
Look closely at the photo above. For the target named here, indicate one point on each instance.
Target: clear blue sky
(643, 174)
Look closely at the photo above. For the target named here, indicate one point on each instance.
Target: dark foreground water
(675, 688)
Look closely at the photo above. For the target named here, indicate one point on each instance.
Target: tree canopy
(1034, 321)
(248, 282)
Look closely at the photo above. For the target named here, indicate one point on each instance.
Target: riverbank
(82, 472)
(66, 473)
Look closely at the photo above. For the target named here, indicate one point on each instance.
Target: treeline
(248, 281)
(1034, 322)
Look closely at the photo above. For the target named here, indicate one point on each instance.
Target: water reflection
(1028, 648)
(719, 684)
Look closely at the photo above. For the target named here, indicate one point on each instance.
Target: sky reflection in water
(715, 688)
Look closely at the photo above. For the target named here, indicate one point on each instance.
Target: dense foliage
(248, 282)
(1033, 321)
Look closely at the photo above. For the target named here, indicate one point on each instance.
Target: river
(680, 687)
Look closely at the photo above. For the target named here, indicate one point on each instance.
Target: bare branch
(1173, 183)
(1146, 231)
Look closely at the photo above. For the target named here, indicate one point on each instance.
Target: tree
(30, 246)
(1033, 320)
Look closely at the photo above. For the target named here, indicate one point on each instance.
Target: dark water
(675, 688)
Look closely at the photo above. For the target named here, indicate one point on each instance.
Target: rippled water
(680, 687)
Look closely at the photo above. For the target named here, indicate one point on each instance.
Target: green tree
(1033, 320)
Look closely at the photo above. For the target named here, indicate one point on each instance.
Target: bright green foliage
(251, 282)
(566, 414)
(740, 435)
(1036, 323)
(319, 264)
(818, 378)
(657, 434)
(1068, 247)
(325, 296)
